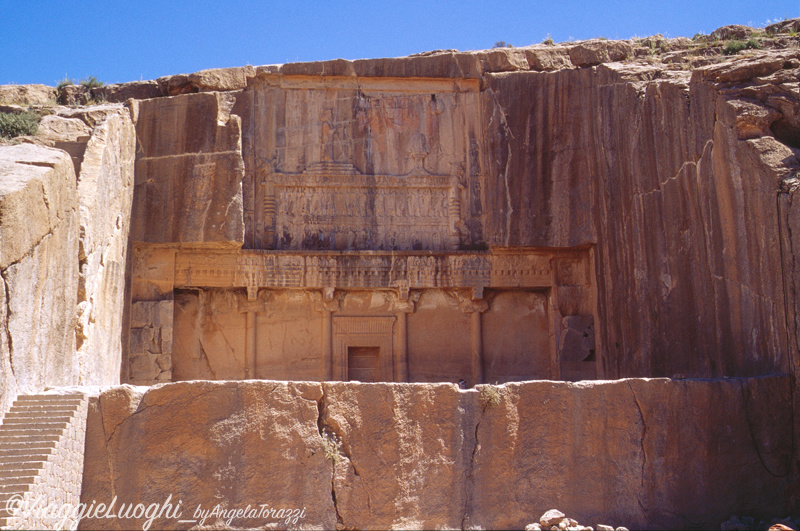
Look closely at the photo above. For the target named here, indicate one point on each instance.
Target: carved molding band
(505, 268)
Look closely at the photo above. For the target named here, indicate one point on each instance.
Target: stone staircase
(41, 437)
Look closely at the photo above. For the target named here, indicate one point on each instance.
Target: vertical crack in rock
(6, 329)
(324, 431)
(111, 461)
(204, 357)
(785, 197)
(644, 453)
(469, 477)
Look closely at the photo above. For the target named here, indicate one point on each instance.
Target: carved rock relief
(362, 169)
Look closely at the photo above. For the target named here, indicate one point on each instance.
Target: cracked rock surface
(645, 453)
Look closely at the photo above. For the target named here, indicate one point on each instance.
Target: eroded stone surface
(189, 177)
(105, 196)
(431, 455)
(38, 264)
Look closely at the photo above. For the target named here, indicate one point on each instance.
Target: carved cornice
(396, 270)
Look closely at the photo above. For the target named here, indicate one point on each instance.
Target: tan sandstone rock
(189, 179)
(430, 455)
(27, 95)
(105, 196)
(38, 264)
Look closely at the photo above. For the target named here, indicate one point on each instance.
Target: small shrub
(18, 124)
(65, 82)
(548, 41)
(98, 99)
(91, 82)
(734, 47)
(332, 445)
(698, 36)
(502, 44)
(490, 396)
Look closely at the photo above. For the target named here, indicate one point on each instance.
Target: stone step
(6, 466)
(20, 472)
(23, 458)
(17, 486)
(5, 496)
(36, 419)
(46, 407)
(52, 428)
(47, 398)
(26, 449)
(34, 427)
(18, 410)
(32, 435)
(15, 440)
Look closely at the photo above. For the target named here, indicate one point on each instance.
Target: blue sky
(44, 41)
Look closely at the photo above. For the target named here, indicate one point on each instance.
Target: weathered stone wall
(105, 196)
(189, 171)
(643, 453)
(669, 176)
(681, 208)
(65, 224)
(39, 267)
(209, 334)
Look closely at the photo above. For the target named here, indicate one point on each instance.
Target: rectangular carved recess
(362, 164)
(332, 206)
(363, 336)
(363, 364)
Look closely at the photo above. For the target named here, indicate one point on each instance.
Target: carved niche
(364, 164)
(333, 206)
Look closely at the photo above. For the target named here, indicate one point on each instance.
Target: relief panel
(361, 164)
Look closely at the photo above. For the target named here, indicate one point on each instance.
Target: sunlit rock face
(460, 222)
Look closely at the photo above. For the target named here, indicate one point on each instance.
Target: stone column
(403, 306)
(327, 304)
(251, 307)
(476, 306)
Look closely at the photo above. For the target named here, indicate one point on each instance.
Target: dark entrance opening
(363, 364)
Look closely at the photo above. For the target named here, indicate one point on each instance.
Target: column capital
(256, 304)
(471, 305)
(407, 304)
(327, 300)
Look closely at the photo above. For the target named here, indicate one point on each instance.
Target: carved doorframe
(363, 331)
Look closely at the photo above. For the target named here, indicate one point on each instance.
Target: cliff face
(39, 264)
(601, 209)
(65, 207)
(667, 176)
(669, 171)
(358, 456)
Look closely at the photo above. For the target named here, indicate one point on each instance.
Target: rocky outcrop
(27, 95)
(38, 264)
(433, 456)
(105, 196)
(672, 163)
(66, 218)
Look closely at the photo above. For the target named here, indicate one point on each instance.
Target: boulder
(27, 95)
